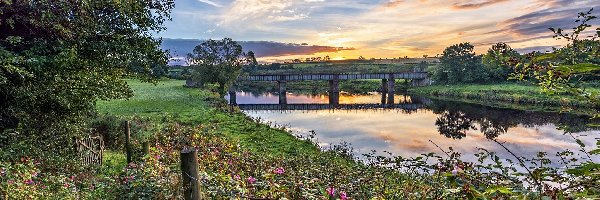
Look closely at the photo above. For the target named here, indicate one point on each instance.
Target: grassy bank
(240, 158)
(194, 106)
(503, 93)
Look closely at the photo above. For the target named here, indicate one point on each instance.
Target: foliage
(218, 62)
(558, 72)
(110, 128)
(498, 71)
(460, 64)
(58, 58)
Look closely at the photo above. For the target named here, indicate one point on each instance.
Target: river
(415, 125)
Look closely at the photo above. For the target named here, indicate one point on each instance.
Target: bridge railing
(303, 77)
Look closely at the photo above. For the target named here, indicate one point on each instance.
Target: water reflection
(406, 132)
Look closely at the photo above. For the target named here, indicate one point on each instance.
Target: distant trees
(219, 62)
(460, 64)
(497, 70)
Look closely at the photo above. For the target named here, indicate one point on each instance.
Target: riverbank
(513, 95)
(194, 106)
(244, 158)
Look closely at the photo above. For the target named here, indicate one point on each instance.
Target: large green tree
(460, 64)
(219, 62)
(497, 70)
(57, 58)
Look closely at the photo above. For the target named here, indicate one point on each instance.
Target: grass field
(512, 93)
(193, 106)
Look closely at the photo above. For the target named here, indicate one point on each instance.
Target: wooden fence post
(146, 147)
(127, 129)
(189, 173)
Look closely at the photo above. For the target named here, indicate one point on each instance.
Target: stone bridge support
(391, 88)
(282, 92)
(334, 91)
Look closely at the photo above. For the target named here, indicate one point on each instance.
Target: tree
(459, 64)
(497, 70)
(57, 58)
(218, 61)
(251, 58)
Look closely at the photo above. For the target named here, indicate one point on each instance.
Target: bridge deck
(303, 77)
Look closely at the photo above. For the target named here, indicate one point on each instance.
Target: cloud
(470, 4)
(212, 3)
(538, 22)
(253, 12)
(181, 47)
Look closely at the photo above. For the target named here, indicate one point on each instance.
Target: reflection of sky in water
(408, 134)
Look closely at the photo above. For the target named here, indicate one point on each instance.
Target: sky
(347, 29)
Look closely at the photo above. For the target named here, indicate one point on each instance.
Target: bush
(110, 128)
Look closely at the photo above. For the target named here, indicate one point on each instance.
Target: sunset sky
(376, 28)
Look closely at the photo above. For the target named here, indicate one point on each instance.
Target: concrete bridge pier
(282, 92)
(383, 98)
(391, 83)
(334, 92)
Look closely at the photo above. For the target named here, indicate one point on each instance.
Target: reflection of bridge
(404, 106)
(418, 78)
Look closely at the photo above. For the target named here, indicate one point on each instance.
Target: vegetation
(58, 58)
(62, 60)
(460, 64)
(218, 62)
(513, 93)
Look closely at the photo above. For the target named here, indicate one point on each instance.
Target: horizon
(376, 29)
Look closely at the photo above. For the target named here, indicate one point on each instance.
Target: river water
(414, 124)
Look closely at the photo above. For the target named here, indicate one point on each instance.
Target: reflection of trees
(457, 118)
(454, 124)
(490, 129)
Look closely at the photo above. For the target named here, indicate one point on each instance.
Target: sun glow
(338, 58)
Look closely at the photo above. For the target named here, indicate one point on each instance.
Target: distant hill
(181, 47)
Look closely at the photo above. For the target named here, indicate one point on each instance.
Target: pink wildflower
(29, 182)
(330, 191)
(343, 195)
(251, 180)
(279, 170)
(10, 182)
(66, 185)
(236, 177)
(456, 170)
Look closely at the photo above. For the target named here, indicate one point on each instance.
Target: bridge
(417, 77)
(403, 106)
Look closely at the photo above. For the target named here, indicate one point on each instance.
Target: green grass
(193, 106)
(113, 163)
(502, 93)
